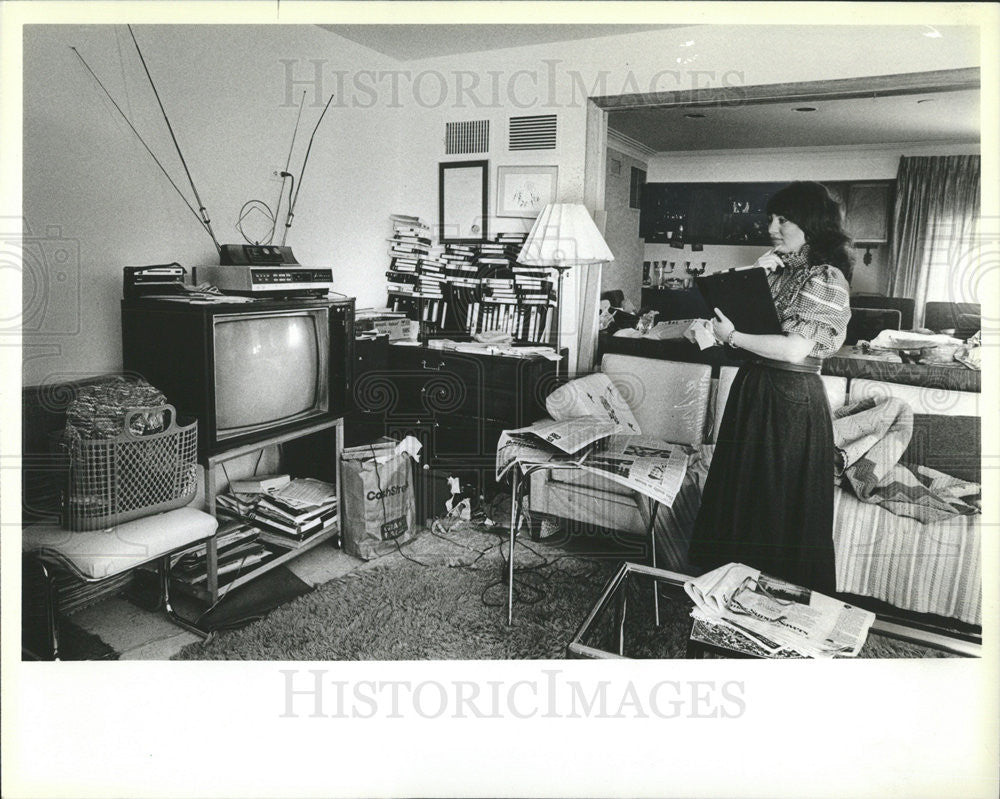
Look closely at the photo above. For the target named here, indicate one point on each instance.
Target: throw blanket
(870, 436)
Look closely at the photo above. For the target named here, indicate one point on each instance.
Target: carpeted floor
(451, 605)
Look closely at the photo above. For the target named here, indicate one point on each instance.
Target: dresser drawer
(440, 384)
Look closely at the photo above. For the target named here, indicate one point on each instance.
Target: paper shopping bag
(379, 509)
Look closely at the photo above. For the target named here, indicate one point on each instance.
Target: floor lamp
(563, 236)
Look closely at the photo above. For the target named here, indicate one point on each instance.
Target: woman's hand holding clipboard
(744, 298)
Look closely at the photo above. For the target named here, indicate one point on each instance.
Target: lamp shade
(564, 235)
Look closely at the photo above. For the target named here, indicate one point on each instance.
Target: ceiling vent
(532, 133)
(467, 137)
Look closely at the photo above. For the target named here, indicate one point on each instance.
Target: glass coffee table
(623, 624)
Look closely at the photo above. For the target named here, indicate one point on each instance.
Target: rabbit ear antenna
(286, 174)
(294, 198)
(142, 141)
(201, 206)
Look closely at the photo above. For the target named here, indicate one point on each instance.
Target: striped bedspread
(932, 567)
(924, 567)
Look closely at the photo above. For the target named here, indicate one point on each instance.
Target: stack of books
(515, 298)
(470, 288)
(288, 517)
(409, 243)
(239, 549)
(417, 271)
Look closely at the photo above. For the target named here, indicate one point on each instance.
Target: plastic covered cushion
(98, 554)
(669, 398)
(589, 396)
(922, 399)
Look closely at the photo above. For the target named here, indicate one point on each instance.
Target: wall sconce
(868, 246)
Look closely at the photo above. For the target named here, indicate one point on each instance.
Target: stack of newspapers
(777, 616)
(285, 512)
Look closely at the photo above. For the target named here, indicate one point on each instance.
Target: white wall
(825, 164)
(89, 181)
(622, 229)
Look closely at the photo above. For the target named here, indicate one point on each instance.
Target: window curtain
(935, 225)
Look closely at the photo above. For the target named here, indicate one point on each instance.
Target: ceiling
(413, 42)
(932, 117)
(937, 116)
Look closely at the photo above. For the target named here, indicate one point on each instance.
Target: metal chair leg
(164, 571)
(651, 534)
(50, 601)
(515, 508)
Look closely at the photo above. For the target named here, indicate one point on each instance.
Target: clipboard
(744, 296)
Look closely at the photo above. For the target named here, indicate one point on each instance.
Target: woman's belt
(810, 365)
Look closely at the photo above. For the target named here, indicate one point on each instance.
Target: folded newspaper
(778, 616)
(648, 465)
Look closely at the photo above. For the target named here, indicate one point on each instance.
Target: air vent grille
(467, 137)
(533, 133)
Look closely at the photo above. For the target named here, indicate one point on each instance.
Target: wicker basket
(114, 480)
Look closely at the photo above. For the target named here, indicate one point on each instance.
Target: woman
(768, 498)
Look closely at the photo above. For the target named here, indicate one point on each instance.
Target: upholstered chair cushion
(98, 554)
(669, 399)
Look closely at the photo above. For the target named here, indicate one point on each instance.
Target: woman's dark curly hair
(810, 206)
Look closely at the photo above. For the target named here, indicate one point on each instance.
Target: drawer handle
(437, 368)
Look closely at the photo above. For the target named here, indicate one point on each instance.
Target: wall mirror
(462, 198)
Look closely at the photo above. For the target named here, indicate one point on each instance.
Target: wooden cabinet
(736, 213)
(455, 404)
(674, 304)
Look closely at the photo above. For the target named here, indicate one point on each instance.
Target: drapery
(935, 221)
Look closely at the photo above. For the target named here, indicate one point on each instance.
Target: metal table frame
(911, 632)
(45, 558)
(518, 481)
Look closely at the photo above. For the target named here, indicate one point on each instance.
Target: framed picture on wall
(462, 201)
(523, 191)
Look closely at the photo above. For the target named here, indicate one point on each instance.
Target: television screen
(269, 369)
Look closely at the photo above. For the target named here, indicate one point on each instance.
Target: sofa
(932, 568)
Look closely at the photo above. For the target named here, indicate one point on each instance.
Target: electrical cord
(385, 514)
(526, 592)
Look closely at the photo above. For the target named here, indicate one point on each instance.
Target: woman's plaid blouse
(813, 301)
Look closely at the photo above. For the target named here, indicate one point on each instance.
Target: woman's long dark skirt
(768, 498)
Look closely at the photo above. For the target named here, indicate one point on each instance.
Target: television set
(245, 371)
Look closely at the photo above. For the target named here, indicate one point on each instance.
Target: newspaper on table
(524, 446)
(777, 615)
(648, 465)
